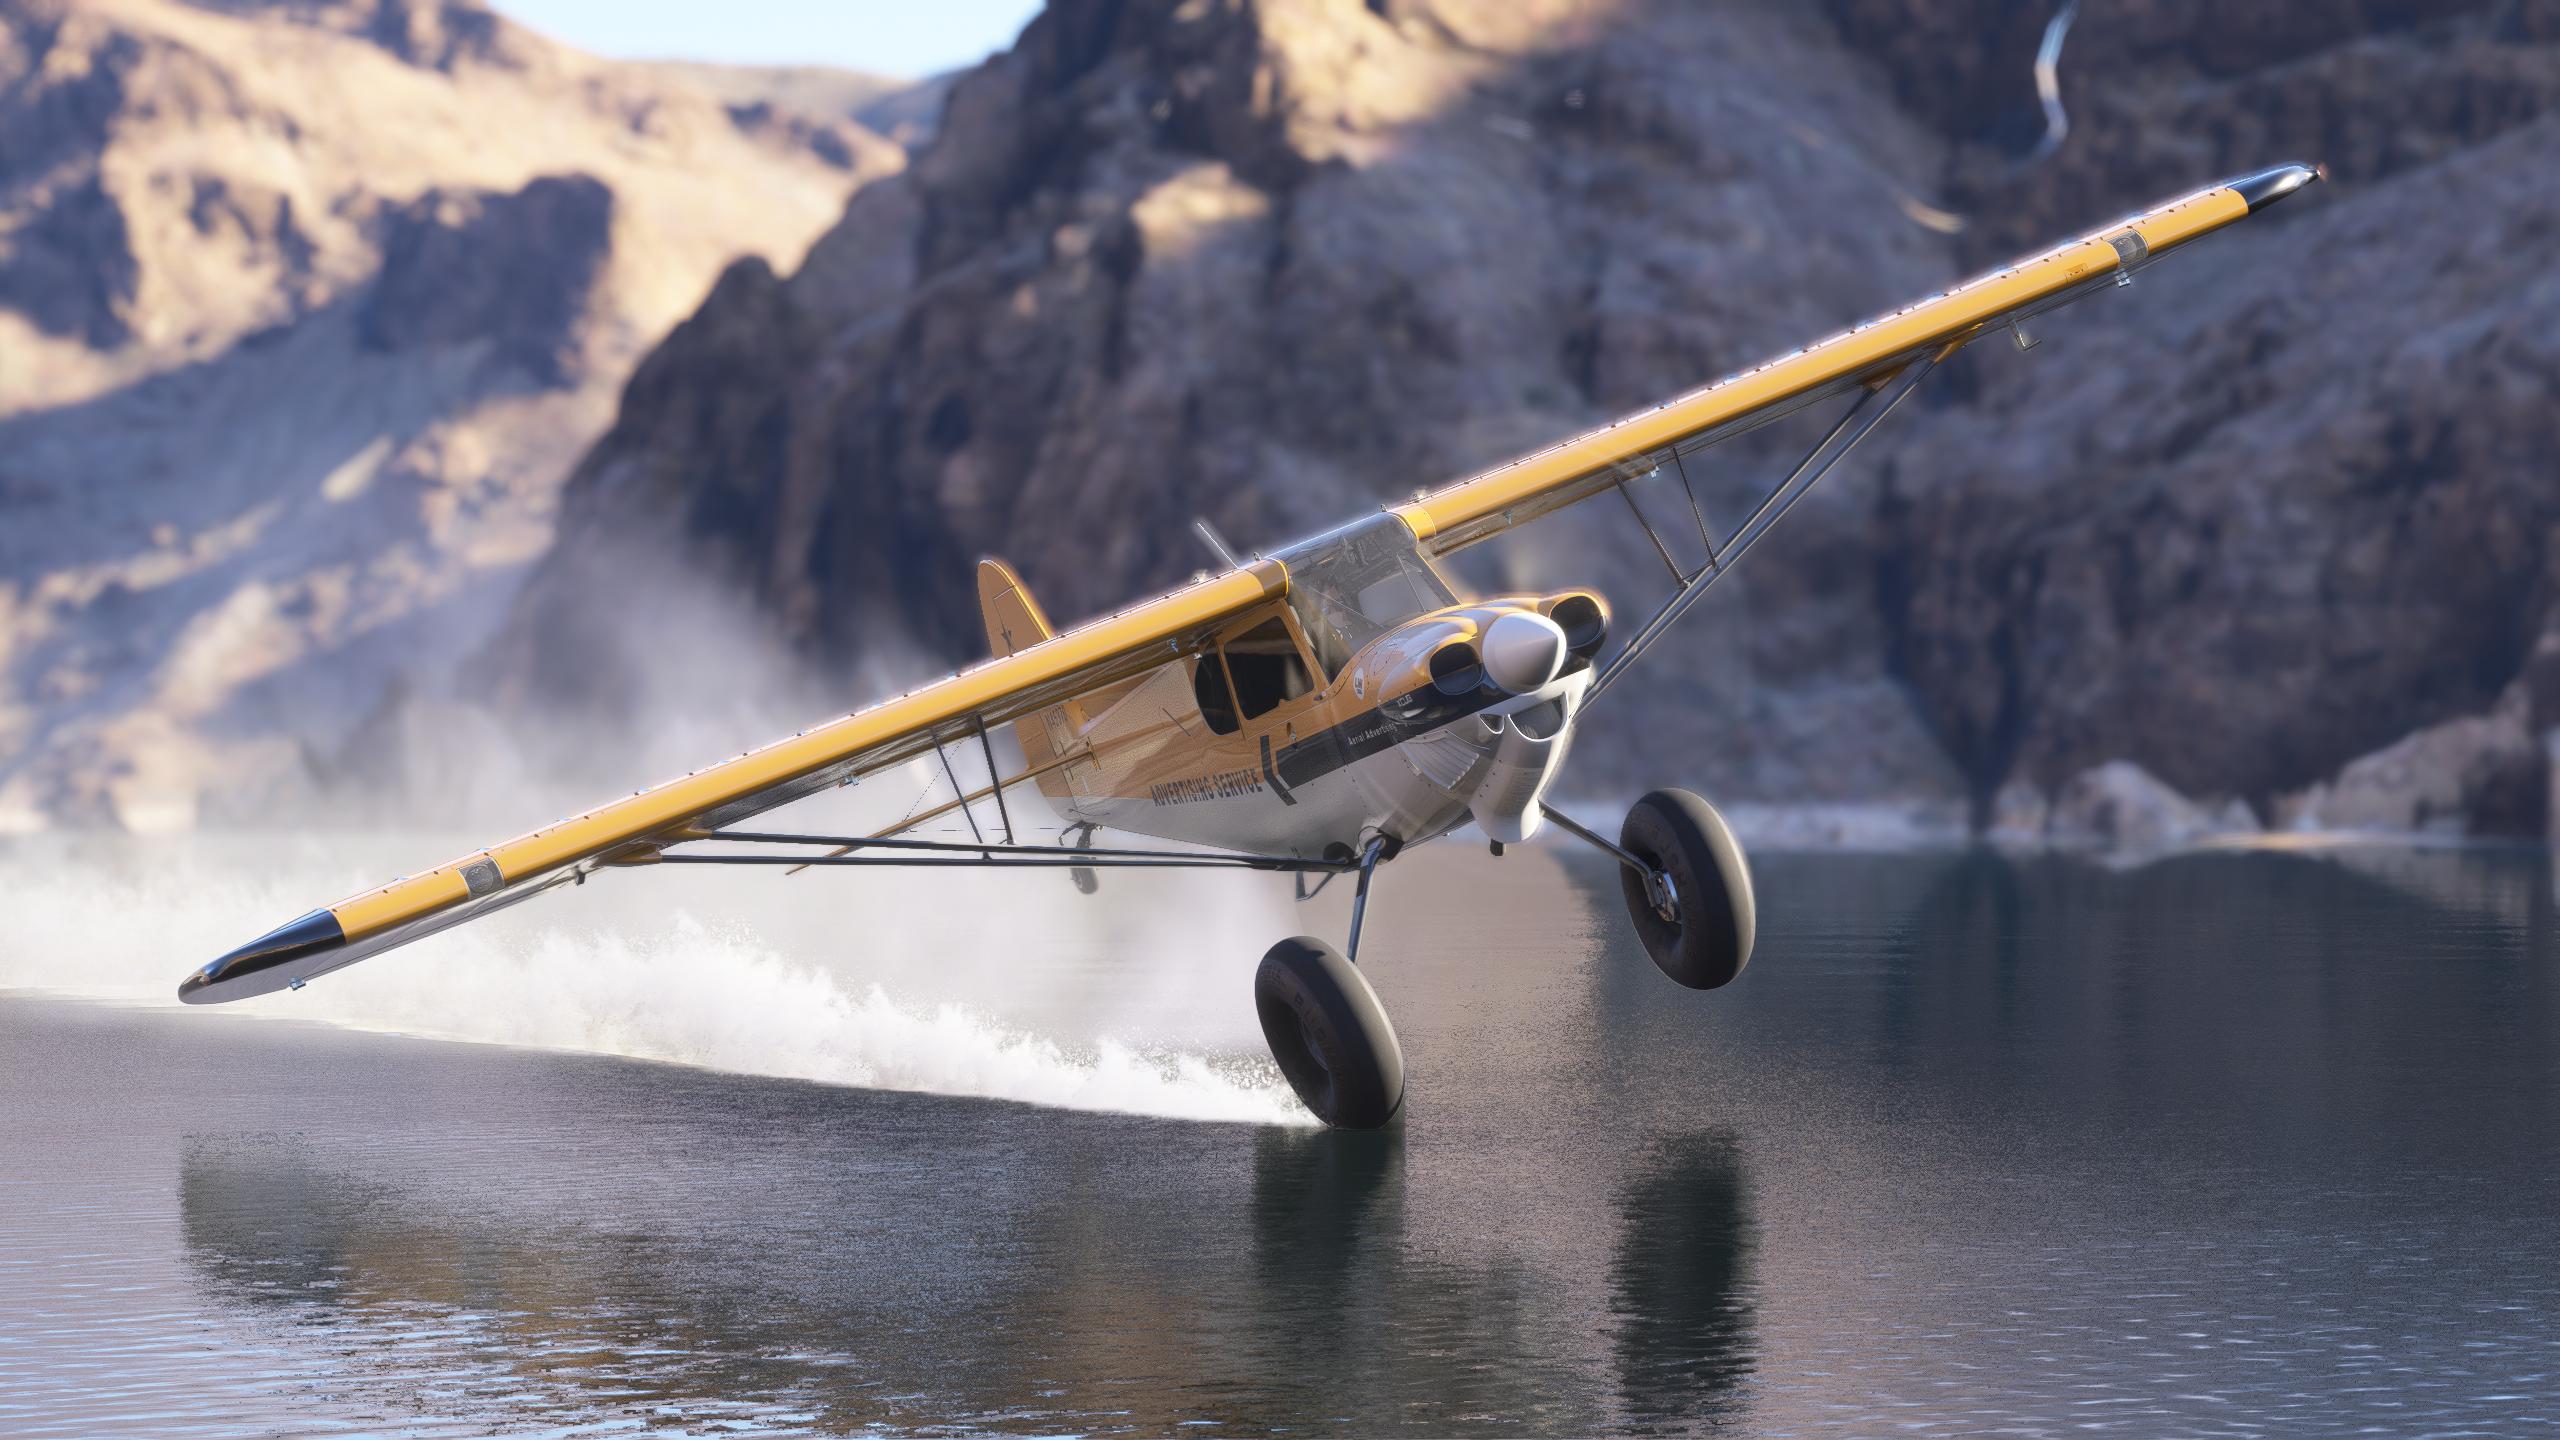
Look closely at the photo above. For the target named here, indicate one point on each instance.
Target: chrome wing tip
(266, 964)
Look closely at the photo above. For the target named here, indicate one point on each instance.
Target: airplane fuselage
(1379, 749)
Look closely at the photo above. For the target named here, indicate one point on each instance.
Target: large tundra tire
(1329, 1034)
(1699, 927)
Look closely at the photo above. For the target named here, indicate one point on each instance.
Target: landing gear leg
(1324, 1024)
(1369, 859)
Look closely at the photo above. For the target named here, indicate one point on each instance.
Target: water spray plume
(1026, 996)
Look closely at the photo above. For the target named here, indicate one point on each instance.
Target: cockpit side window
(1209, 687)
(1353, 585)
(1264, 664)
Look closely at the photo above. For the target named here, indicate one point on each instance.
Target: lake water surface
(2229, 1143)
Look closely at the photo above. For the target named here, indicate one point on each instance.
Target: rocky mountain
(307, 307)
(2301, 503)
(2277, 530)
(2268, 540)
(1268, 264)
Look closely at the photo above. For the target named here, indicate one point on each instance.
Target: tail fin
(1014, 621)
(1015, 624)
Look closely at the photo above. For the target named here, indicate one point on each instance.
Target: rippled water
(2225, 1144)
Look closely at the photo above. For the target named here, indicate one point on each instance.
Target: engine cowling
(1522, 650)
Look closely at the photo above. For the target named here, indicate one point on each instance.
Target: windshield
(1358, 582)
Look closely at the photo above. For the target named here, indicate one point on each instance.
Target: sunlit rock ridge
(306, 310)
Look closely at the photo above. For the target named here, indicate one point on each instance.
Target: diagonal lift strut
(1863, 417)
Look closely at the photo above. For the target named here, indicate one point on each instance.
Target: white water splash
(1137, 1003)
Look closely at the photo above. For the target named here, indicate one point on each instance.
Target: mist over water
(1007, 985)
(1001, 984)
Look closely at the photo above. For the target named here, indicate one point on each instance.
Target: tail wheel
(1694, 912)
(1329, 1034)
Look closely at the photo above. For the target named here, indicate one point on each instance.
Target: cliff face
(2296, 512)
(2298, 501)
(306, 309)
(1272, 262)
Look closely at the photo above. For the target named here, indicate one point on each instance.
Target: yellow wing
(1064, 665)
(1126, 644)
(1488, 504)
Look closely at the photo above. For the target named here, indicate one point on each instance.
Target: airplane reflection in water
(1272, 1306)
(1680, 1286)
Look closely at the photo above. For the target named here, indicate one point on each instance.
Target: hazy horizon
(872, 36)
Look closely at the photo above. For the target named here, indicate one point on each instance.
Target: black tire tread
(1682, 833)
(1315, 1004)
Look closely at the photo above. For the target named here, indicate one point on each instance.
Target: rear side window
(1266, 667)
(1209, 687)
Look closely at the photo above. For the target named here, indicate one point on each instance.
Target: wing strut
(929, 854)
(1715, 561)
(961, 790)
(987, 747)
(1870, 409)
(1677, 578)
(1680, 467)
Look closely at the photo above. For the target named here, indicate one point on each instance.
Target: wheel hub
(1664, 895)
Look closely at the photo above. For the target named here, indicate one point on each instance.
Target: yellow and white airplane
(1314, 710)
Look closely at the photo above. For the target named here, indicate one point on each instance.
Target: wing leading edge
(1064, 665)
(1538, 484)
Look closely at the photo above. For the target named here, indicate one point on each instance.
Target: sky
(910, 38)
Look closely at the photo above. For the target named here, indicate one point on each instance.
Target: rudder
(1015, 624)
(1014, 621)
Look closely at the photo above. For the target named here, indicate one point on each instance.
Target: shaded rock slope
(307, 307)
(2297, 502)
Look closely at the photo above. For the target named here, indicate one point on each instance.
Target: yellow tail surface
(1014, 624)
(1014, 621)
